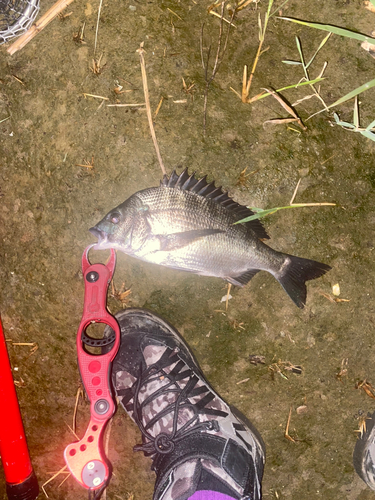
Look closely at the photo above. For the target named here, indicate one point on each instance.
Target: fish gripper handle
(86, 459)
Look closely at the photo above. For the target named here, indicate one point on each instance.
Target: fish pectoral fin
(242, 279)
(179, 240)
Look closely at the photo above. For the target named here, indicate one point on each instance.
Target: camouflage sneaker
(364, 453)
(196, 441)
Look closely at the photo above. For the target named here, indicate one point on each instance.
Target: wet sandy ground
(49, 200)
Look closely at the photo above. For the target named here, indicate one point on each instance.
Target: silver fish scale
(177, 210)
(169, 211)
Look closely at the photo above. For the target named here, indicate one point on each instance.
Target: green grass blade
(259, 215)
(333, 29)
(263, 213)
(261, 33)
(4, 119)
(254, 209)
(278, 8)
(294, 86)
(368, 134)
(346, 97)
(372, 124)
(322, 43)
(345, 124)
(270, 3)
(356, 113)
(296, 63)
(353, 93)
(299, 48)
(341, 123)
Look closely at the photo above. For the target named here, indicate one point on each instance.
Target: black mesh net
(16, 17)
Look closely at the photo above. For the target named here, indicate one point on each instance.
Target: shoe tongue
(152, 353)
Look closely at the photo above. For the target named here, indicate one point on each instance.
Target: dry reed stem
(97, 25)
(158, 108)
(71, 430)
(244, 3)
(96, 96)
(79, 37)
(362, 427)
(343, 372)
(18, 80)
(141, 51)
(367, 387)
(106, 450)
(334, 300)
(174, 13)
(246, 84)
(227, 299)
(286, 433)
(218, 59)
(52, 478)
(63, 481)
(330, 158)
(281, 121)
(218, 15)
(317, 92)
(262, 35)
(295, 192)
(34, 347)
(107, 436)
(49, 16)
(96, 67)
(242, 381)
(136, 105)
(288, 108)
(78, 395)
(323, 204)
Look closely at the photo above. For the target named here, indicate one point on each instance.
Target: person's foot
(196, 441)
(364, 453)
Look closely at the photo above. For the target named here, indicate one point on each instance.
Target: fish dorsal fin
(201, 187)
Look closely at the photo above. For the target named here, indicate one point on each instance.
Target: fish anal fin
(242, 279)
(175, 241)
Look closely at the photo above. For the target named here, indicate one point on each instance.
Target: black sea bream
(188, 224)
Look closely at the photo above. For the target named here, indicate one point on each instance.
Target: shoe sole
(361, 451)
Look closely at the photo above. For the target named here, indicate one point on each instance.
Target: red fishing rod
(21, 482)
(86, 459)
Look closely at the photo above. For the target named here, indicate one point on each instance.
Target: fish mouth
(102, 237)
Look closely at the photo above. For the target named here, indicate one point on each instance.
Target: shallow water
(48, 202)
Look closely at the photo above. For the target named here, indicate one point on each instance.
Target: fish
(189, 224)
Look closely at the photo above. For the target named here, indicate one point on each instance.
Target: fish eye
(114, 217)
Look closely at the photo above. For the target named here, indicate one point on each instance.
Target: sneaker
(364, 453)
(196, 441)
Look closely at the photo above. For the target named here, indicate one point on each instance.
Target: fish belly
(216, 255)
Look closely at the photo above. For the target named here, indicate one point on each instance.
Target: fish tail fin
(295, 272)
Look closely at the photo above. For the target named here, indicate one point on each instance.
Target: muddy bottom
(68, 156)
